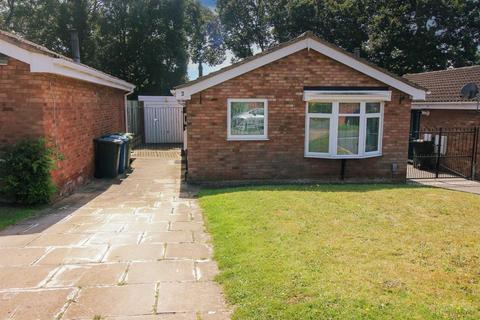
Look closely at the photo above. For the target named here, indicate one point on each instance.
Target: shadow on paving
(85, 194)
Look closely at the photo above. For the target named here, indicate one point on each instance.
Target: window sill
(247, 139)
(336, 157)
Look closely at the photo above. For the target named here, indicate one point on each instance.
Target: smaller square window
(373, 107)
(320, 107)
(349, 108)
(247, 119)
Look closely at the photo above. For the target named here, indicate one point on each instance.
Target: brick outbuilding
(44, 94)
(304, 110)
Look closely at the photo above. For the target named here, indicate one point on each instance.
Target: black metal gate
(443, 153)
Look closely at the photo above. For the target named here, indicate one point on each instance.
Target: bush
(25, 172)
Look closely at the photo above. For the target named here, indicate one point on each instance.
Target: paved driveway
(134, 249)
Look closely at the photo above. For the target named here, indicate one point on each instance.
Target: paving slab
(188, 251)
(33, 305)
(59, 240)
(20, 256)
(136, 252)
(88, 275)
(17, 241)
(25, 276)
(168, 237)
(166, 270)
(126, 300)
(189, 296)
(59, 256)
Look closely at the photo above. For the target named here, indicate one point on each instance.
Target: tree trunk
(200, 69)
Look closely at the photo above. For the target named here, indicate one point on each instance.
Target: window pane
(348, 133)
(247, 118)
(318, 135)
(373, 107)
(373, 129)
(353, 107)
(319, 107)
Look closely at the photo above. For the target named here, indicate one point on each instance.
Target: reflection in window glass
(348, 135)
(247, 118)
(351, 107)
(373, 129)
(318, 135)
(320, 107)
(373, 107)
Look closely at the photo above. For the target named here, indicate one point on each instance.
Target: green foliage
(25, 172)
(141, 41)
(401, 36)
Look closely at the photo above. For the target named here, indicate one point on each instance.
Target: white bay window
(343, 129)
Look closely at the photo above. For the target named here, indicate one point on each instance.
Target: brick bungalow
(305, 110)
(444, 108)
(44, 94)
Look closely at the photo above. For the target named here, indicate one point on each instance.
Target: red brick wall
(68, 112)
(212, 157)
(450, 119)
(21, 104)
(75, 113)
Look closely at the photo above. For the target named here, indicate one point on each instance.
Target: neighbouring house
(443, 106)
(304, 110)
(444, 109)
(44, 94)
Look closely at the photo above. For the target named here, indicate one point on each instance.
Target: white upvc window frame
(232, 137)
(333, 132)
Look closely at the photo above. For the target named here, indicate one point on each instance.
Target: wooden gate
(163, 119)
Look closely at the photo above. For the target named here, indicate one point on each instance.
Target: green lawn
(347, 251)
(10, 215)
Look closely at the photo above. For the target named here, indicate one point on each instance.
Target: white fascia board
(186, 92)
(81, 72)
(15, 52)
(45, 64)
(444, 106)
(347, 95)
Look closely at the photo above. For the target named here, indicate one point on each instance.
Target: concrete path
(457, 184)
(131, 249)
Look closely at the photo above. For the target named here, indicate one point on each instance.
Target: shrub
(25, 172)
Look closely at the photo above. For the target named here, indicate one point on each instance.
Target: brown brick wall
(68, 112)
(211, 157)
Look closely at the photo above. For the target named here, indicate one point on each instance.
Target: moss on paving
(347, 251)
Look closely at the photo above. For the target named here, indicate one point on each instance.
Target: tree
(402, 36)
(206, 43)
(148, 40)
(246, 25)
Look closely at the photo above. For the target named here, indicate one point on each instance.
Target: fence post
(439, 150)
(476, 131)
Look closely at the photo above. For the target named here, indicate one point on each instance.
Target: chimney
(356, 52)
(75, 45)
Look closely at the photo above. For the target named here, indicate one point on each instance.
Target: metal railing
(443, 153)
